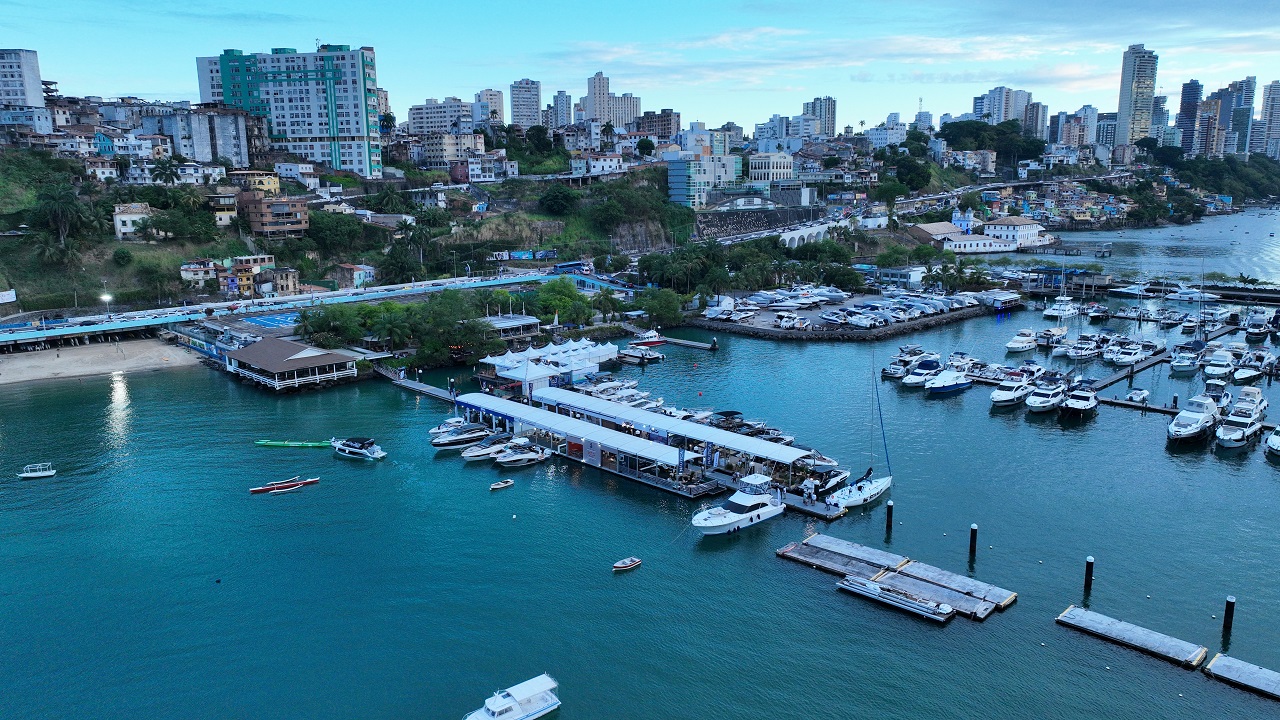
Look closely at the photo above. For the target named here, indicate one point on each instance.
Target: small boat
(1138, 395)
(502, 484)
(948, 382)
(36, 471)
(863, 492)
(357, 448)
(1217, 389)
(292, 443)
(1184, 363)
(754, 502)
(530, 699)
(640, 355)
(282, 486)
(449, 425)
(626, 564)
(901, 599)
(461, 437)
(520, 457)
(1246, 375)
(648, 338)
(1081, 400)
(1272, 446)
(1025, 340)
(489, 448)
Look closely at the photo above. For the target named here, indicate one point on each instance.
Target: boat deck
(794, 502)
(1245, 675)
(971, 598)
(1151, 642)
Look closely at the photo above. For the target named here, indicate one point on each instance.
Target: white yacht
(1063, 307)
(1084, 350)
(1221, 365)
(948, 382)
(1217, 389)
(1184, 363)
(1046, 397)
(863, 492)
(1197, 419)
(1185, 294)
(924, 371)
(522, 455)
(1025, 340)
(36, 471)
(754, 502)
(357, 448)
(1241, 426)
(450, 424)
(1012, 391)
(491, 447)
(1272, 445)
(530, 699)
(1132, 291)
(1129, 355)
(1080, 401)
(461, 437)
(901, 599)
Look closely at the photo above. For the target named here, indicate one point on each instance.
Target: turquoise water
(145, 581)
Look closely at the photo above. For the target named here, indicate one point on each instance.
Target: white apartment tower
(526, 103)
(320, 105)
(596, 102)
(562, 110)
(20, 78)
(494, 100)
(1137, 95)
(452, 115)
(1270, 130)
(823, 108)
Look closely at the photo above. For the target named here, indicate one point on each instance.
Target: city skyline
(763, 62)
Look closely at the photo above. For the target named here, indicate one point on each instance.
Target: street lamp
(107, 299)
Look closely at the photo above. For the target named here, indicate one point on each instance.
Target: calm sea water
(145, 581)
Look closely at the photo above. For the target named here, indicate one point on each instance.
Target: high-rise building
(923, 121)
(1137, 93)
(563, 110)
(1188, 114)
(596, 102)
(1056, 123)
(1106, 132)
(823, 108)
(1269, 133)
(20, 78)
(1210, 134)
(623, 109)
(526, 103)
(452, 115)
(1035, 121)
(1159, 116)
(493, 98)
(664, 125)
(320, 105)
(1089, 115)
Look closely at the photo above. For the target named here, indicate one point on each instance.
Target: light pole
(107, 299)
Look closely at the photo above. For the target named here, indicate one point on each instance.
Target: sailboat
(866, 489)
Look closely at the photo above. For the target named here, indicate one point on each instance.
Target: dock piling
(1088, 575)
(1175, 401)
(1228, 617)
(973, 540)
(888, 518)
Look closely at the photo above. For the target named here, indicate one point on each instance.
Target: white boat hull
(37, 475)
(860, 494)
(1047, 407)
(709, 524)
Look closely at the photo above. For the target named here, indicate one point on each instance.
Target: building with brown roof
(273, 217)
(284, 365)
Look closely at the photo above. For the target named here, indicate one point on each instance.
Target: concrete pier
(1151, 642)
(1244, 675)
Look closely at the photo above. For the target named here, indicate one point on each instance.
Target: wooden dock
(1244, 675)
(1162, 646)
(713, 345)
(969, 597)
(421, 388)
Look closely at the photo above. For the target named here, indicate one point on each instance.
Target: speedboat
(1221, 365)
(648, 338)
(1138, 395)
(1184, 363)
(1012, 391)
(947, 382)
(1051, 336)
(1241, 426)
(35, 471)
(449, 425)
(626, 564)
(521, 456)
(1189, 326)
(1191, 295)
(530, 699)
(862, 492)
(283, 486)
(1025, 340)
(1062, 308)
(1131, 291)
(1254, 395)
(901, 599)
(501, 484)
(1081, 400)
(1217, 389)
(1129, 355)
(753, 502)
(461, 437)
(1046, 397)
(1246, 375)
(1272, 445)
(357, 448)
(490, 447)
(922, 373)
(1084, 350)
(1198, 418)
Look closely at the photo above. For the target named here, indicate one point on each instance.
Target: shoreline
(93, 360)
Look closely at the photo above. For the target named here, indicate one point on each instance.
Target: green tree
(122, 257)
(645, 147)
(830, 162)
(559, 200)
(663, 306)
(60, 210)
(165, 171)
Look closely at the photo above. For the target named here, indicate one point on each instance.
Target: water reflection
(119, 413)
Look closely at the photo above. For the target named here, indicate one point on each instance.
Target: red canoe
(292, 483)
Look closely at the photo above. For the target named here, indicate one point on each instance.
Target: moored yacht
(1025, 340)
(449, 424)
(648, 338)
(1081, 400)
(1063, 307)
(1241, 426)
(461, 437)
(922, 373)
(1046, 397)
(519, 456)
(754, 502)
(901, 599)
(491, 447)
(1012, 391)
(530, 699)
(1196, 420)
(948, 382)
(1221, 365)
(1184, 363)
(862, 492)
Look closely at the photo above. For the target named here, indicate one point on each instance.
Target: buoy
(1148, 597)
(513, 517)
(699, 393)
(219, 580)
(1040, 561)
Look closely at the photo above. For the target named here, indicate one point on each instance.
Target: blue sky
(713, 61)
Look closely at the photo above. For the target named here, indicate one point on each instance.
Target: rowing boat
(291, 443)
(278, 486)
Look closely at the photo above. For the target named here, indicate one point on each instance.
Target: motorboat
(1241, 426)
(283, 486)
(1217, 389)
(1189, 326)
(1081, 400)
(1184, 294)
(491, 447)
(1013, 391)
(1138, 395)
(521, 456)
(625, 564)
(291, 443)
(1184, 363)
(922, 373)
(895, 597)
(501, 484)
(1051, 336)
(1063, 307)
(1221, 365)
(1246, 375)
(450, 424)
(1272, 445)
(1130, 354)
(358, 448)
(1084, 350)
(640, 355)
(1098, 313)
(1047, 397)
(461, 437)
(1196, 420)
(1139, 291)
(1025, 340)
(948, 382)
(754, 502)
(863, 492)
(35, 471)
(961, 361)
(531, 699)
(1253, 395)
(648, 338)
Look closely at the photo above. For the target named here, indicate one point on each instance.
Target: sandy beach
(95, 359)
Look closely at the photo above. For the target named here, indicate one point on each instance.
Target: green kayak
(291, 444)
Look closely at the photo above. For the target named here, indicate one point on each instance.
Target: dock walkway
(1162, 646)
(1245, 675)
(969, 597)
(421, 388)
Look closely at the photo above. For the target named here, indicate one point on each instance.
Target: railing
(295, 382)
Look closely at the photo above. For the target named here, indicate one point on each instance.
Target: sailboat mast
(880, 413)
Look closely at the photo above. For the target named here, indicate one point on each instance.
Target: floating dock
(818, 509)
(421, 388)
(1151, 642)
(713, 345)
(969, 597)
(1245, 675)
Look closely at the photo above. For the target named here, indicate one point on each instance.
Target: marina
(1244, 675)
(1162, 646)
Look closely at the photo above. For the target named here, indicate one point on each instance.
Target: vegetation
(1006, 139)
(1179, 206)
(534, 150)
(710, 268)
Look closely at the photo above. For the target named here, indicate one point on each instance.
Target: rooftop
(276, 356)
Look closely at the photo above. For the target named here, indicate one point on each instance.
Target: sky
(715, 61)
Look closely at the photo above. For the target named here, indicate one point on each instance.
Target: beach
(95, 359)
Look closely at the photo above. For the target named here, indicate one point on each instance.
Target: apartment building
(526, 103)
(20, 78)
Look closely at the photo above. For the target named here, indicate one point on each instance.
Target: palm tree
(607, 133)
(165, 171)
(123, 163)
(306, 323)
(60, 207)
(187, 197)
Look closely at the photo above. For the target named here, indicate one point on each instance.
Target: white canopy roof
(646, 420)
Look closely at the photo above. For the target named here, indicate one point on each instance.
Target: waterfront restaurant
(652, 463)
(724, 452)
(511, 328)
(281, 364)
